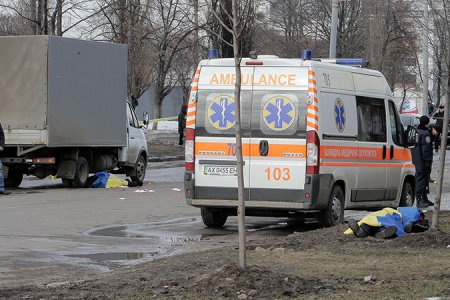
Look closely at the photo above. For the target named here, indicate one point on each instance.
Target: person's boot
(408, 227)
(420, 203)
(386, 232)
(357, 230)
(428, 202)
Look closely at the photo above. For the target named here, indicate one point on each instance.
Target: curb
(165, 158)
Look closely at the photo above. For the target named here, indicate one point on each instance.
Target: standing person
(422, 157)
(2, 146)
(182, 123)
(439, 117)
(430, 108)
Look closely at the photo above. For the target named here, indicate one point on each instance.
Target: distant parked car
(414, 120)
(448, 132)
(409, 107)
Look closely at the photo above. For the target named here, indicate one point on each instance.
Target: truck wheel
(334, 214)
(213, 218)
(141, 167)
(81, 173)
(407, 197)
(67, 183)
(14, 179)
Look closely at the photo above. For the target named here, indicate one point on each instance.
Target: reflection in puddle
(100, 258)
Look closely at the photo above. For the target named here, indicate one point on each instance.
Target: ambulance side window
(396, 125)
(371, 119)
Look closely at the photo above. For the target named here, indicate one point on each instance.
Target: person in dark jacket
(182, 123)
(422, 157)
(439, 117)
(2, 146)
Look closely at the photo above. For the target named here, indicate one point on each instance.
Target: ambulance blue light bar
(357, 62)
(213, 53)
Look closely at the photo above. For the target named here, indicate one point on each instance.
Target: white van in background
(318, 137)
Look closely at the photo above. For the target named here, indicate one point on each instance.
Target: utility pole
(425, 59)
(334, 23)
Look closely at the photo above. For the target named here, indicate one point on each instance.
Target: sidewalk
(445, 199)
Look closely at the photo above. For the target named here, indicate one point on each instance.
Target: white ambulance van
(318, 137)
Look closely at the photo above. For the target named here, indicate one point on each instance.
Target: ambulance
(318, 137)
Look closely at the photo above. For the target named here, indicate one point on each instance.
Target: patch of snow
(165, 126)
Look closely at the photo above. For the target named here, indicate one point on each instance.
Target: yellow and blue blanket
(390, 217)
(107, 180)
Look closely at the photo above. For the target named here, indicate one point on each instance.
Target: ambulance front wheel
(334, 213)
(407, 197)
(213, 218)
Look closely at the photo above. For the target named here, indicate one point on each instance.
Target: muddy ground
(163, 144)
(313, 263)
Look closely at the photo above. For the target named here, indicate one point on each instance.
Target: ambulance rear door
(215, 141)
(278, 134)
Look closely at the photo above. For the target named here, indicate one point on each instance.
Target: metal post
(425, 59)
(334, 21)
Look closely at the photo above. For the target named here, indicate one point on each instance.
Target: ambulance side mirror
(411, 137)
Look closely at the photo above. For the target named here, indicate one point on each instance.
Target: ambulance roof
(369, 81)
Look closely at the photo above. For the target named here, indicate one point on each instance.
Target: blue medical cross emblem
(221, 112)
(339, 115)
(279, 113)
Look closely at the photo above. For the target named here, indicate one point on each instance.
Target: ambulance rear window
(279, 113)
(216, 113)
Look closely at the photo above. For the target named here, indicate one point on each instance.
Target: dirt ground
(313, 263)
(163, 144)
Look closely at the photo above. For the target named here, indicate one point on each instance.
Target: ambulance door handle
(263, 148)
(384, 151)
(392, 152)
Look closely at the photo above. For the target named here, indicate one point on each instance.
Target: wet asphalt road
(50, 234)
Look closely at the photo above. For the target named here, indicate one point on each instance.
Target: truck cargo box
(61, 92)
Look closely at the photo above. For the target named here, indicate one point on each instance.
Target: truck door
(215, 141)
(278, 134)
(134, 136)
(373, 150)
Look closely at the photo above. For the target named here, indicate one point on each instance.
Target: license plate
(220, 170)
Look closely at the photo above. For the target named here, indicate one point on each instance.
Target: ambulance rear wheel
(334, 213)
(407, 197)
(213, 218)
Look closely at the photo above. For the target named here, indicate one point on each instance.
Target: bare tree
(47, 16)
(441, 16)
(170, 28)
(217, 22)
(237, 20)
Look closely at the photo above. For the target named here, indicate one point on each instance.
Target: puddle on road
(101, 258)
(173, 231)
(184, 230)
(136, 243)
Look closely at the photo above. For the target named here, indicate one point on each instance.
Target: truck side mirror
(411, 137)
(146, 120)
